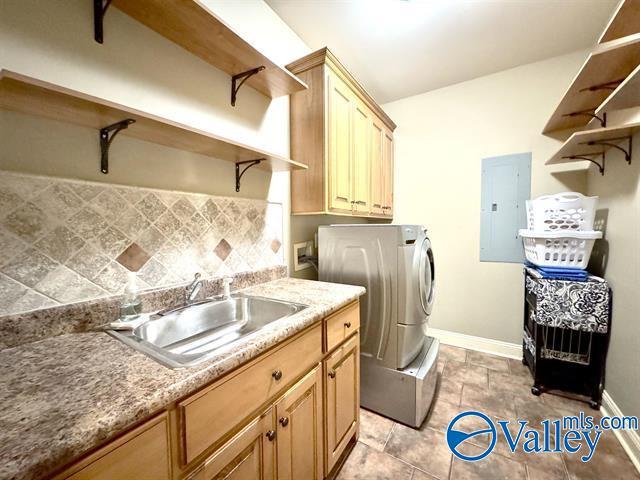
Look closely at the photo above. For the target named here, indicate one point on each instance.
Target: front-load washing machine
(397, 358)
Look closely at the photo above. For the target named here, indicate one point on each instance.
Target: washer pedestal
(403, 395)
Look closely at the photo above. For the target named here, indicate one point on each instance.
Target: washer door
(426, 276)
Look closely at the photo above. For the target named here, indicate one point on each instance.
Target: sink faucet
(193, 288)
(226, 287)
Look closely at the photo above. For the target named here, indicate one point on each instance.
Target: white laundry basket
(559, 248)
(568, 212)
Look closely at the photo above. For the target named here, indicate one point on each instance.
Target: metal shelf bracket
(239, 173)
(243, 77)
(107, 134)
(611, 144)
(587, 156)
(100, 8)
(612, 85)
(589, 113)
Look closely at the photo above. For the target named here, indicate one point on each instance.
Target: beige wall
(617, 257)
(441, 138)
(135, 66)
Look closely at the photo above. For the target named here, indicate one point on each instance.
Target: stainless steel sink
(189, 335)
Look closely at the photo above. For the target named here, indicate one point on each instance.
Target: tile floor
(499, 387)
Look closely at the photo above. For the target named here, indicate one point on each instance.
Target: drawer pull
(277, 374)
(284, 421)
(347, 324)
(271, 435)
(332, 374)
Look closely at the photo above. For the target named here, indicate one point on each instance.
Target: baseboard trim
(629, 439)
(485, 345)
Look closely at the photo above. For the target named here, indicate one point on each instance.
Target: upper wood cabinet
(346, 140)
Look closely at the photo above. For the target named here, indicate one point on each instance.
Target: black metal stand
(107, 134)
(99, 10)
(612, 85)
(243, 77)
(585, 377)
(609, 143)
(239, 174)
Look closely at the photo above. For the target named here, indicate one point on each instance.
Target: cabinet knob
(347, 324)
(332, 374)
(284, 421)
(277, 374)
(271, 435)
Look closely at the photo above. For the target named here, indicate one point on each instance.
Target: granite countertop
(64, 395)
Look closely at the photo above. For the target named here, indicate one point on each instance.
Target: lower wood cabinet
(299, 433)
(342, 374)
(142, 453)
(288, 414)
(249, 455)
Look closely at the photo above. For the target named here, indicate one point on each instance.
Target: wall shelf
(627, 95)
(190, 24)
(605, 69)
(625, 21)
(592, 145)
(28, 95)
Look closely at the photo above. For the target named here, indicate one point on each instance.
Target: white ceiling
(399, 48)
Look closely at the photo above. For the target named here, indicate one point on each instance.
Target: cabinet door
(377, 176)
(142, 454)
(387, 172)
(360, 161)
(249, 455)
(339, 145)
(342, 400)
(299, 415)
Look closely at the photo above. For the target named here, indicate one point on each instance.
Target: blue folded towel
(561, 273)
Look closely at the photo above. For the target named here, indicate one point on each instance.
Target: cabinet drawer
(142, 454)
(210, 414)
(341, 325)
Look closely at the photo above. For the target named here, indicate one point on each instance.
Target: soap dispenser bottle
(131, 306)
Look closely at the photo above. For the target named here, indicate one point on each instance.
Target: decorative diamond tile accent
(275, 245)
(133, 258)
(68, 240)
(223, 249)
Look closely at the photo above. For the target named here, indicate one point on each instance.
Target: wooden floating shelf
(604, 70)
(190, 24)
(28, 95)
(625, 21)
(627, 95)
(580, 143)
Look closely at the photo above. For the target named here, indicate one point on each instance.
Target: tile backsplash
(65, 241)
